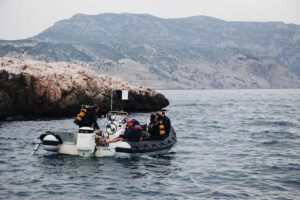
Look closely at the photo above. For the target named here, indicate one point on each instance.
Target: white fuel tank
(85, 143)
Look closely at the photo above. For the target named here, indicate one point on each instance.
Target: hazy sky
(25, 18)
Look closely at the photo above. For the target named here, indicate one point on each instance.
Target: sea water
(232, 144)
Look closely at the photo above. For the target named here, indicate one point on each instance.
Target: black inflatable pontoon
(149, 147)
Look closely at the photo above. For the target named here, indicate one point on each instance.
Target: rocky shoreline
(34, 88)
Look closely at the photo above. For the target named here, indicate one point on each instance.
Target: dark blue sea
(232, 144)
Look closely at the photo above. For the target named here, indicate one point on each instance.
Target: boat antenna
(111, 98)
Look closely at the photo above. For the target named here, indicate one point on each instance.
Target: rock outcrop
(33, 88)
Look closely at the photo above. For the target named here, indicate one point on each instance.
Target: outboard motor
(86, 141)
(51, 142)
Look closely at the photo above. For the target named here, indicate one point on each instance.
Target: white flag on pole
(124, 94)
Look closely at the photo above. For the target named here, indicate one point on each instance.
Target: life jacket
(82, 114)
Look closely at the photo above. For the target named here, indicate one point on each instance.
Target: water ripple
(232, 144)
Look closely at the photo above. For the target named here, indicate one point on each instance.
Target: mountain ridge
(193, 52)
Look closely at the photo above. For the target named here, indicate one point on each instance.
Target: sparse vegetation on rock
(29, 87)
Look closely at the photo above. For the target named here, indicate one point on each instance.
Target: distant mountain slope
(194, 52)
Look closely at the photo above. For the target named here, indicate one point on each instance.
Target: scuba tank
(162, 130)
(82, 114)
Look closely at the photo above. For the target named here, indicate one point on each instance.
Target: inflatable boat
(147, 147)
(86, 142)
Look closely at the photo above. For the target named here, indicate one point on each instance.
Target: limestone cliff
(30, 87)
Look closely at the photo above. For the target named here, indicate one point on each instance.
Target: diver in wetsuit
(166, 122)
(161, 127)
(88, 117)
(133, 132)
(153, 127)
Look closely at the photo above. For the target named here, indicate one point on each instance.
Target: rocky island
(35, 88)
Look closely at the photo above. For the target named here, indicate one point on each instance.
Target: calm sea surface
(232, 144)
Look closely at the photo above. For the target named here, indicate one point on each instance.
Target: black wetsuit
(133, 133)
(153, 130)
(167, 123)
(90, 119)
